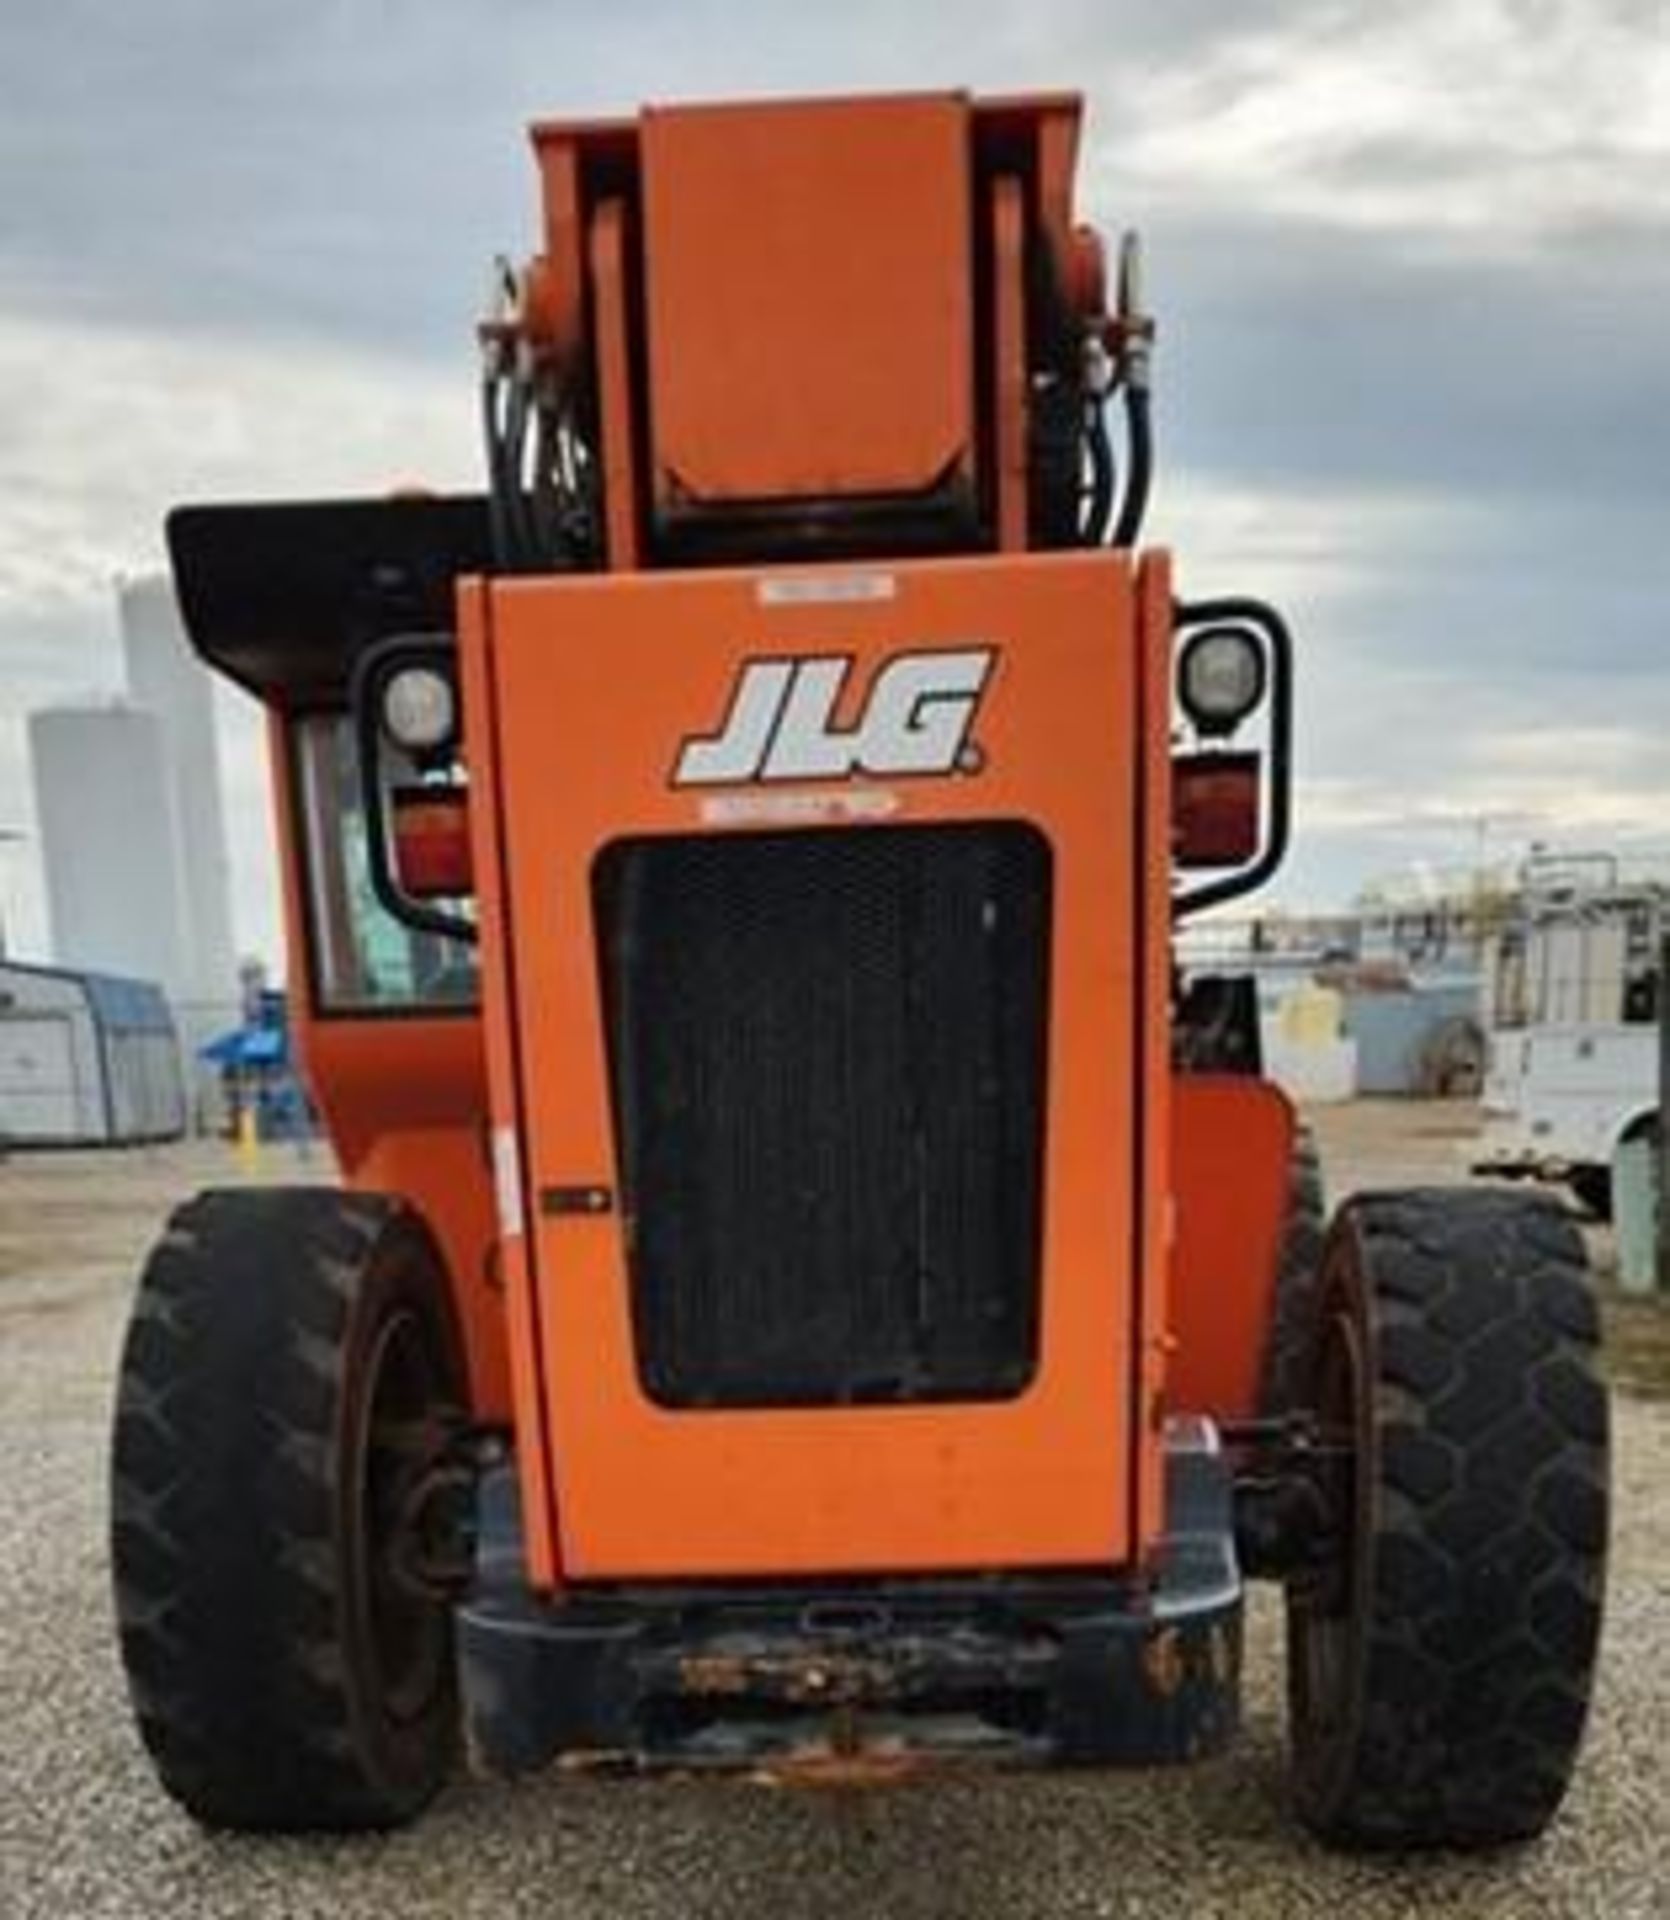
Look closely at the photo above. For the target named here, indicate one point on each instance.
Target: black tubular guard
(1278, 644)
(374, 667)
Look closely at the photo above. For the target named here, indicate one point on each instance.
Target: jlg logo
(780, 726)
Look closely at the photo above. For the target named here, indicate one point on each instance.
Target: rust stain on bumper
(713, 1673)
(1162, 1661)
(884, 1764)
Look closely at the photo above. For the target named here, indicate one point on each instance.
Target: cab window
(363, 958)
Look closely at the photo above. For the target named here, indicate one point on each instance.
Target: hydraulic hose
(492, 435)
(1098, 511)
(1134, 354)
(543, 508)
(1139, 471)
(518, 507)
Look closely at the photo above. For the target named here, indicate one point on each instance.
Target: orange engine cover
(677, 718)
(1232, 1147)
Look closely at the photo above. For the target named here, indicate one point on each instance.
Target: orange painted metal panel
(504, 1066)
(1152, 937)
(809, 266)
(442, 1170)
(598, 682)
(614, 385)
(1011, 399)
(1057, 122)
(560, 273)
(405, 1102)
(1232, 1143)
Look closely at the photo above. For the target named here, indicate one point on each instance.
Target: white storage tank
(167, 679)
(105, 814)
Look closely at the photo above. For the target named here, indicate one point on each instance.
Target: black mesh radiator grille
(827, 1051)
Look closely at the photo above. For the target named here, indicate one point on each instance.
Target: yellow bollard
(248, 1143)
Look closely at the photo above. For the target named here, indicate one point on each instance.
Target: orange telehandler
(814, 1288)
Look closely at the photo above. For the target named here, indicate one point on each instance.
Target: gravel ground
(84, 1831)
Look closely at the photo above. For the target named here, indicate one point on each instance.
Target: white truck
(1571, 1004)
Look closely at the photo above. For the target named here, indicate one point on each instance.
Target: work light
(1220, 678)
(420, 709)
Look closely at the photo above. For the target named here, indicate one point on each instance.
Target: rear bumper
(859, 1679)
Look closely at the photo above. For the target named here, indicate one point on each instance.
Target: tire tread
(224, 1500)
(1484, 1608)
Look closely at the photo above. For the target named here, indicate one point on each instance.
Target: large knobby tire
(1291, 1344)
(285, 1346)
(1439, 1670)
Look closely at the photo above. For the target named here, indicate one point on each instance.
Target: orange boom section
(822, 327)
(789, 357)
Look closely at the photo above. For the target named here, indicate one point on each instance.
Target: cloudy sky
(1412, 265)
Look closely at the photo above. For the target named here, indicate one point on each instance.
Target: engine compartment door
(820, 898)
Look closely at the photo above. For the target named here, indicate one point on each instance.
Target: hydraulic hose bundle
(542, 477)
(541, 491)
(1118, 366)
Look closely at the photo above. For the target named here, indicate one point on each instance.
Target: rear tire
(1439, 1669)
(1294, 1318)
(286, 1346)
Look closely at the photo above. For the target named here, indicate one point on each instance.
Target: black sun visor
(283, 597)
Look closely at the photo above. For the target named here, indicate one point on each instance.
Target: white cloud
(105, 428)
(1412, 402)
(1303, 546)
(1500, 122)
(108, 429)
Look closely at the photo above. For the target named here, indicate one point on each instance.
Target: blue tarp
(246, 1047)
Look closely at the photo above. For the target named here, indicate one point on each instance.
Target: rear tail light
(1215, 809)
(432, 842)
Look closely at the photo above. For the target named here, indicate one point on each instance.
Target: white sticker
(798, 809)
(507, 1182)
(824, 589)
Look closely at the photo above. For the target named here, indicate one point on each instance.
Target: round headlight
(420, 709)
(1220, 678)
